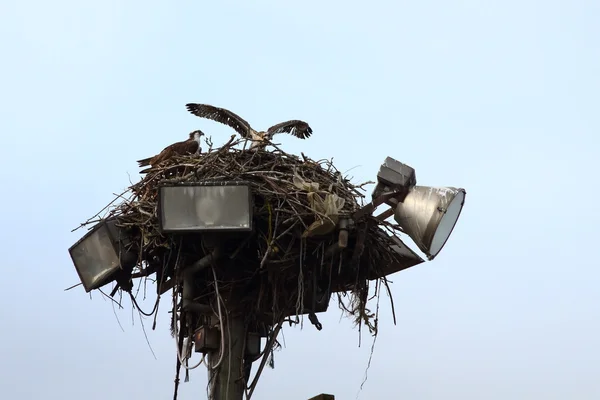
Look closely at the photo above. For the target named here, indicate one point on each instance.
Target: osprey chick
(189, 146)
(297, 128)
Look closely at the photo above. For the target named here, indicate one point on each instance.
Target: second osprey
(297, 128)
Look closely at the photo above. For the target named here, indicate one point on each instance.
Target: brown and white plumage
(297, 128)
(294, 127)
(189, 146)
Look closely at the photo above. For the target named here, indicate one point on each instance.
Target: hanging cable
(268, 348)
(219, 300)
(182, 360)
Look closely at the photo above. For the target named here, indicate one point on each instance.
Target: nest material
(288, 190)
(284, 265)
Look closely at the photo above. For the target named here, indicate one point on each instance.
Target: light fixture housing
(394, 176)
(429, 214)
(205, 207)
(100, 254)
(407, 257)
(313, 301)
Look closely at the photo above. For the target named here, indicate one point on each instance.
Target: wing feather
(180, 148)
(294, 127)
(185, 148)
(221, 115)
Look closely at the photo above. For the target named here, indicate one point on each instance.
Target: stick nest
(284, 266)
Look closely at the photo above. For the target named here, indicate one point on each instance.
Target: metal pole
(226, 380)
(225, 371)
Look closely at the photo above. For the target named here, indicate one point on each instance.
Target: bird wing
(184, 148)
(179, 148)
(294, 127)
(165, 154)
(221, 115)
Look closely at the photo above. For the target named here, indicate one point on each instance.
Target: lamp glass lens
(205, 208)
(447, 223)
(95, 258)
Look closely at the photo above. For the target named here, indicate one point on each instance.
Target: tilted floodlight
(101, 254)
(428, 215)
(210, 207)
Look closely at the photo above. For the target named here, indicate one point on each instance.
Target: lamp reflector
(95, 257)
(428, 215)
(202, 208)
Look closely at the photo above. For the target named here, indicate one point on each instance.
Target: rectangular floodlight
(213, 207)
(96, 255)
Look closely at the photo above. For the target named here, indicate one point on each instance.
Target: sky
(498, 97)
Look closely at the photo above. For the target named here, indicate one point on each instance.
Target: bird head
(196, 135)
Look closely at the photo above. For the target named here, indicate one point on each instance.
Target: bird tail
(145, 171)
(144, 162)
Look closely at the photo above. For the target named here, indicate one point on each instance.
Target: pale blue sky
(498, 97)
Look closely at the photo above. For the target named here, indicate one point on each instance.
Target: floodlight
(100, 254)
(210, 207)
(428, 215)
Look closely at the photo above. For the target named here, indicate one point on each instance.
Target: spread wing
(221, 115)
(294, 127)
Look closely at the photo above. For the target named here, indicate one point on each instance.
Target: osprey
(189, 146)
(297, 128)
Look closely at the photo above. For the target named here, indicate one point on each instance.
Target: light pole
(214, 211)
(247, 262)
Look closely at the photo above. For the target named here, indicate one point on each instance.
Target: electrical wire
(219, 300)
(268, 346)
(182, 360)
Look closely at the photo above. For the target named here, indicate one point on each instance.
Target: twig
(72, 287)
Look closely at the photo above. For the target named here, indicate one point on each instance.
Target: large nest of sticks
(294, 258)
